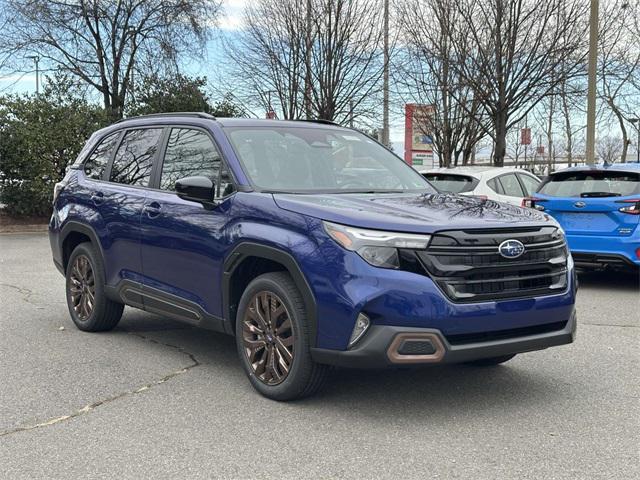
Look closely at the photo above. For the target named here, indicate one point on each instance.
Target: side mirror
(196, 189)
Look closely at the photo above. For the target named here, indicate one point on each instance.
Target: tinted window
(192, 153)
(134, 158)
(314, 159)
(446, 182)
(530, 184)
(592, 184)
(510, 185)
(97, 162)
(495, 186)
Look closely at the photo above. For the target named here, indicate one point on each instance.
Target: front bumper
(381, 347)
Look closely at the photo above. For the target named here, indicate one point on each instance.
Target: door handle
(152, 209)
(97, 198)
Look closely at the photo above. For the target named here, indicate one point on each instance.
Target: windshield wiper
(369, 191)
(598, 194)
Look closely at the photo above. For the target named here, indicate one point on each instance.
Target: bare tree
(102, 42)
(609, 148)
(619, 63)
(508, 51)
(272, 61)
(424, 74)
(317, 58)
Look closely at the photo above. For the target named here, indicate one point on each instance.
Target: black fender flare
(251, 249)
(73, 226)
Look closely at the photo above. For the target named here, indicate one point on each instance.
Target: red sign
(418, 142)
(540, 149)
(525, 136)
(271, 115)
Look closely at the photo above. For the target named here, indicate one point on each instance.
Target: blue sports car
(599, 209)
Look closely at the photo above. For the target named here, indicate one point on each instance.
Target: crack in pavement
(609, 325)
(26, 294)
(92, 406)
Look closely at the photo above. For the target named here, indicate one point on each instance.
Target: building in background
(418, 142)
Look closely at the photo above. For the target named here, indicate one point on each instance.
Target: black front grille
(467, 266)
(416, 347)
(465, 338)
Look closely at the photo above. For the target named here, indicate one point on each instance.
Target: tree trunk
(625, 140)
(568, 133)
(500, 149)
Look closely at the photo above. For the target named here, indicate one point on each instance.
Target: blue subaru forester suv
(311, 243)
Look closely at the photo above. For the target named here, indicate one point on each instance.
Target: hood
(416, 213)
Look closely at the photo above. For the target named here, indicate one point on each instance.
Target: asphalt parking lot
(156, 399)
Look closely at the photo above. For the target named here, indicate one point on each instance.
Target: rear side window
(192, 153)
(592, 184)
(97, 162)
(530, 184)
(134, 157)
(510, 185)
(453, 183)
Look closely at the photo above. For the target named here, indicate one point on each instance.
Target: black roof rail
(171, 114)
(319, 120)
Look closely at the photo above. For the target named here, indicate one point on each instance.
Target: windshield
(447, 182)
(313, 160)
(594, 183)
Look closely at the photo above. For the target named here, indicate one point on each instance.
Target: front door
(182, 244)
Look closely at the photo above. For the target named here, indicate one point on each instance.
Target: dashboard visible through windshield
(317, 160)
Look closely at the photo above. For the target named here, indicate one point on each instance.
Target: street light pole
(591, 90)
(36, 59)
(385, 80)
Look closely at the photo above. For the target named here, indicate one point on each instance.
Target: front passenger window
(192, 153)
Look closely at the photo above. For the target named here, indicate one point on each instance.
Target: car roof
(615, 167)
(225, 121)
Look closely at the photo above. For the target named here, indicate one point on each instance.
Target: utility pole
(591, 90)
(307, 65)
(36, 60)
(636, 123)
(385, 79)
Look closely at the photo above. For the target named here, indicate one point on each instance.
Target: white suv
(508, 185)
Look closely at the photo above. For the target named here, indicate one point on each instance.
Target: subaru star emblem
(579, 204)
(511, 248)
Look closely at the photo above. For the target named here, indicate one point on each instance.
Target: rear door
(120, 199)
(589, 202)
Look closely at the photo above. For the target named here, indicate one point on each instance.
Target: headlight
(379, 248)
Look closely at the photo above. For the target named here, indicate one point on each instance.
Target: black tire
(104, 314)
(304, 376)
(492, 361)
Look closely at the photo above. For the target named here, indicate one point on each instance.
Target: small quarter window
(97, 162)
(511, 186)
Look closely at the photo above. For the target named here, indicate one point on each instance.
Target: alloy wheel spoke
(268, 338)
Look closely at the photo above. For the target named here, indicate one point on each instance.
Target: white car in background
(508, 185)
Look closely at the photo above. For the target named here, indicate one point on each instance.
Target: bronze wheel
(82, 287)
(268, 337)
